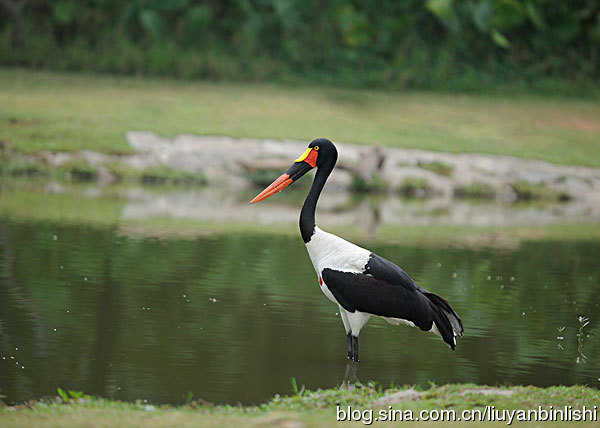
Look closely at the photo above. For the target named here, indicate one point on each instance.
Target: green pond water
(232, 317)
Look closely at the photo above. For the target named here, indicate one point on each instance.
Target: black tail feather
(447, 321)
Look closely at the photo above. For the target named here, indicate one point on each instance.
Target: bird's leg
(355, 348)
(350, 379)
(349, 337)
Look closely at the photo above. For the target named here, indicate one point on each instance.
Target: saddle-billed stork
(360, 282)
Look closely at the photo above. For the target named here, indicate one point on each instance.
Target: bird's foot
(350, 377)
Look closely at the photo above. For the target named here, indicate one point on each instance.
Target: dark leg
(350, 379)
(355, 349)
(349, 337)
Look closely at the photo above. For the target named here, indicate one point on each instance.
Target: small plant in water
(70, 395)
(583, 323)
(297, 392)
(560, 337)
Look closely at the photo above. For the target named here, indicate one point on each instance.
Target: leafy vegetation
(71, 396)
(527, 191)
(22, 166)
(415, 187)
(543, 45)
(78, 170)
(476, 190)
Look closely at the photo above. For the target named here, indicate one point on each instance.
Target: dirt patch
(488, 391)
(397, 397)
(16, 121)
(577, 124)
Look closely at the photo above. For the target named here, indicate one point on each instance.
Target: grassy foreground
(57, 111)
(308, 408)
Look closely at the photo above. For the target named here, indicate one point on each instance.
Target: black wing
(386, 290)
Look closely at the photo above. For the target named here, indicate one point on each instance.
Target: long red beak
(301, 166)
(277, 186)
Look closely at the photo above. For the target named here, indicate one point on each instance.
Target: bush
(415, 187)
(78, 170)
(526, 191)
(540, 45)
(475, 191)
(22, 166)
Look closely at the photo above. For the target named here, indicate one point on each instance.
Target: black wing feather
(384, 269)
(386, 290)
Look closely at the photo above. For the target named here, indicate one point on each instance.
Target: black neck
(307, 215)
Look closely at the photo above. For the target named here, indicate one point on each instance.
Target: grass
(59, 111)
(305, 408)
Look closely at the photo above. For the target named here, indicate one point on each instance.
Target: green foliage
(527, 191)
(475, 190)
(22, 166)
(77, 170)
(415, 187)
(297, 391)
(70, 395)
(62, 394)
(443, 44)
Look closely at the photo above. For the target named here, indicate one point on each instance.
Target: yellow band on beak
(304, 155)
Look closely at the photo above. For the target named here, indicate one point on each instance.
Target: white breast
(330, 251)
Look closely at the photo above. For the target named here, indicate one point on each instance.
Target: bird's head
(319, 152)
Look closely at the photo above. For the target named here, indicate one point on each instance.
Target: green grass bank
(303, 409)
(70, 112)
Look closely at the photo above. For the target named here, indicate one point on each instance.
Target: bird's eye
(316, 147)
